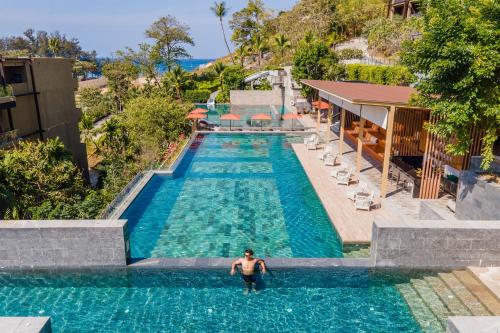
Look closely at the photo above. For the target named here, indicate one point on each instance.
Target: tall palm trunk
(225, 40)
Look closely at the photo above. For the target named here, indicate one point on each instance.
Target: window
(15, 74)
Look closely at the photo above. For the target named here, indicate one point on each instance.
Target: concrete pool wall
(63, 244)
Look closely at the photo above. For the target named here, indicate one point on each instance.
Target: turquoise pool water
(232, 191)
(137, 301)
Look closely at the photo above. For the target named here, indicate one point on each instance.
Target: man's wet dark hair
(249, 251)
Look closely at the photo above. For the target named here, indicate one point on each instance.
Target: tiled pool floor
(232, 191)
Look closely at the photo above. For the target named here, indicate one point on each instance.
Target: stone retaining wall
(63, 244)
(435, 243)
(256, 97)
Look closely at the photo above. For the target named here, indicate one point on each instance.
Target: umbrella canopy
(230, 116)
(199, 110)
(291, 116)
(194, 116)
(262, 116)
(320, 105)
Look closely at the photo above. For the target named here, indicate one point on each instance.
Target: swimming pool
(232, 191)
(328, 300)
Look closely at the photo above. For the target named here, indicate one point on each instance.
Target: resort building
(380, 122)
(403, 8)
(37, 101)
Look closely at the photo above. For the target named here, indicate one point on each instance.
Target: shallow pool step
(422, 314)
(431, 299)
(467, 298)
(480, 291)
(452, 302)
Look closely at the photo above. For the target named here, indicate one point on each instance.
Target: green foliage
(163, 119)
(385, 36)
(6, 91)
(389, 75)
(176, 81)
(282, 44)
(315, 61)
(220, 10)
(349, 53)
(40, 181)
(95, 104)
(233, 78)
(196, 96)
(247, 22)
(171, 37)
(458, 59)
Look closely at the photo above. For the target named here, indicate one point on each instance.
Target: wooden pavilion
(381, 123)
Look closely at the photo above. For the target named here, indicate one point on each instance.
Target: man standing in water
(248, 269)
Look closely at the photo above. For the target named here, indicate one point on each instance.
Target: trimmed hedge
(197, 96)
(393, 75)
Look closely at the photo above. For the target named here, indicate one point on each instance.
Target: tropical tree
(120, 75)
(458, 59)
(219, 68)
(176, 81)
(86, 126)
(259, 46)
(242, 53)
(147, 59)
(220, 10)
(248, 22)
(282, 44)
(171, 38)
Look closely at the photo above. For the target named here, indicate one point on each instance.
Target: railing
(8, 138)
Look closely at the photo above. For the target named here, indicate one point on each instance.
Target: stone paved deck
(353, 226)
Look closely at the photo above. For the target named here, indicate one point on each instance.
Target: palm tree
(220, 10)
(54, 46)
(282, 43)
(177, 80)
(259, 46)
(241, 53)
(219, 68)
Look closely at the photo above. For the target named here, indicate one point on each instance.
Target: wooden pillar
(359, 154)
(318, 117)
(387, 151)
(341, 138)
(329, 124)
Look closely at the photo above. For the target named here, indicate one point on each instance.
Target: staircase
(434, 297)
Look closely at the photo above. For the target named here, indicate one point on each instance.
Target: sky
(110, 25)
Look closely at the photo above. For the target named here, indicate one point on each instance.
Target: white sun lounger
(337, 169)
(327, 150)
(364, 202)
(344, 177)
(330, 159)
(361, 188)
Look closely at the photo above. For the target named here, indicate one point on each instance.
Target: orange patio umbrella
(199, 110)
(194, 117)
(291, 116)
(230, 117)
(262, 117)
(320, 105)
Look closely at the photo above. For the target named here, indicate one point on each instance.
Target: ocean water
(193, 64)
(233, 191)
(319, 300)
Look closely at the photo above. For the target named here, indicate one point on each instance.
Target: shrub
(197, 96)
(395, 75)
(350, 53)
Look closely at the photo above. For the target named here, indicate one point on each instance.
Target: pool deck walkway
(353, 226)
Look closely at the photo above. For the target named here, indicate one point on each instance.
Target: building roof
(364, 93)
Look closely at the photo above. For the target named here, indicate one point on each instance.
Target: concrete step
(467, 298)
(482, 293)
(489, 276)
(431, 299)
(422, 314)
(452, 302)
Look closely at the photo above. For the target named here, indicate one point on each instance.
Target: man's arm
(262, 266)
(233, 266)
